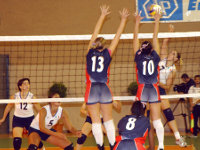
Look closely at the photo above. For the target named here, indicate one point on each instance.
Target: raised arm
(138, 18)
(104, 12)
(164, 49)
(124, 15)
(156, 44)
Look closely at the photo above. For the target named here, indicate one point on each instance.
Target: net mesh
(49, 59)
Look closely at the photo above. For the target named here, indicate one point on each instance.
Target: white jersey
(193, 90)
(50, 120)
(165, 71)
(23, 110)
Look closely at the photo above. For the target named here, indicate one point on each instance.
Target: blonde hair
(99, 43)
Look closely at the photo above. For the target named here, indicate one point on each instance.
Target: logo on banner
(171, 9)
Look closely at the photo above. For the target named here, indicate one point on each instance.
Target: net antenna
(61, 58)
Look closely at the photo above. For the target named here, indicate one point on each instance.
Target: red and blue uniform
(132, 133)
(147, 72)
(97, 77)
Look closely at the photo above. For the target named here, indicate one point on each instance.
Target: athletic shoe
(100, 147)
(193, 136)
(181, 142)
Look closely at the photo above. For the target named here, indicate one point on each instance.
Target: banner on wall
(173, 10)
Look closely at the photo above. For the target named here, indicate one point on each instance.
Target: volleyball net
(61, 58)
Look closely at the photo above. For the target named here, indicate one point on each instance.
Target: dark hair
(196, 76)
(57, 88)
(137, 109)
(179, 56)
(146, 47)
(20, 82)
(184, 76)
(99, 43)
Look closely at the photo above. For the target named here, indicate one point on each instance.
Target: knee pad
(17, 142)
(82, 139)
(168, 114)
(40, 145)
(32, 147)
(70, 147)
(157, 124)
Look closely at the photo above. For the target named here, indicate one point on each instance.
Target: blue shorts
(98, 93)
(22, 122)
(42, 135)
(148, 93)
(126, 145)
(89, 120)
(162, 91)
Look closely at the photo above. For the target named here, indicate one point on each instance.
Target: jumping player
(87, 126)
(23, 113)
(98, 95)
(41, 126)
(147, 71)
(133, 130)
(167, 75)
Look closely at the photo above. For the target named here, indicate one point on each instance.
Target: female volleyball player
(133, 130)
(41, 126)
(87, 126)
(147, 60)
(23, 113)
(167, 75)
(98, 95)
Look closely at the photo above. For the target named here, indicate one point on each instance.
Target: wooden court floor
(193, 144)
(171, 147)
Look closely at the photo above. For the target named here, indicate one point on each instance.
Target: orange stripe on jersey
(139, 91)
(157, 90)
(87, 92)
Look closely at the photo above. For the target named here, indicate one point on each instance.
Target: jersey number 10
(148, 67)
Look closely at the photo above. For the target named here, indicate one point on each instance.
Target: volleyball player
(23, 113)
(41, 126)
(87, 126)
(167, 75)
(98, 95)
(147, 71)
(133, 130)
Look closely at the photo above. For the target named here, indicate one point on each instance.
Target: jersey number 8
(131, 124)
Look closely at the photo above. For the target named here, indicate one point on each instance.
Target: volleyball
(154, 9)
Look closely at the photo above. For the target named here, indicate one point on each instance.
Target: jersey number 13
(100, 61)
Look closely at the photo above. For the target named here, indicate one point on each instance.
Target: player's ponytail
(137, 109)
(99, 43)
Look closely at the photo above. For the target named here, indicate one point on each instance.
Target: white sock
(110, 129)
(159, 132)
(177, 135)
(98, 133)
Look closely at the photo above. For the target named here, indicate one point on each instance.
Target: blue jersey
(132, 128)
(97, 69)
(147, 69)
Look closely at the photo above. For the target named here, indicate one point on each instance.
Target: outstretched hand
(105, 10)
(138, 17)
(1, 121)
(171, 28)
(124, 13)
(157, 16)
